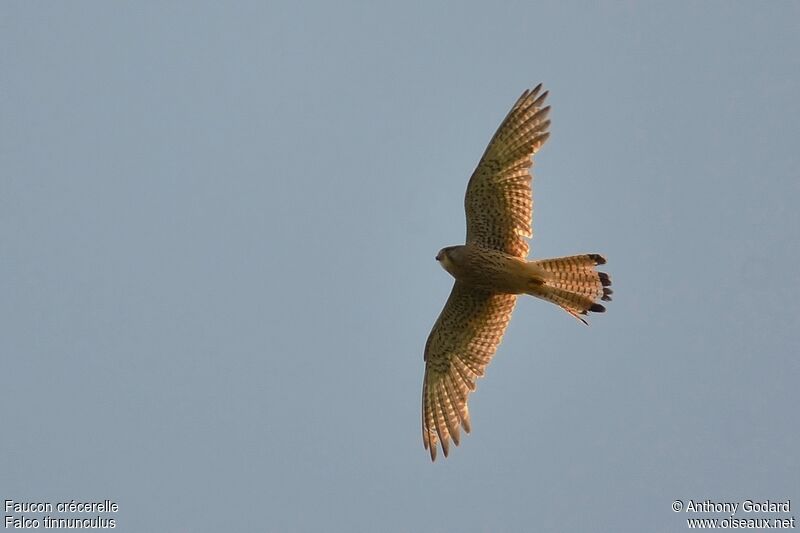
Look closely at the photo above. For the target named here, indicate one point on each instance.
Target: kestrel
(491, 269)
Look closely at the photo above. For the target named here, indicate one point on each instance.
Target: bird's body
(491, 269)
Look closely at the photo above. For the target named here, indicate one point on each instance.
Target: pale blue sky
(218, 225)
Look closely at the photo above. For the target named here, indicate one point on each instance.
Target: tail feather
(572, 283)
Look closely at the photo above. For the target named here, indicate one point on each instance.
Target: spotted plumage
(491, 269)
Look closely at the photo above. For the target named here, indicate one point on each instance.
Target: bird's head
(445, 258)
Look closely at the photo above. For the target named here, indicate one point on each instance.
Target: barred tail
(572, 283)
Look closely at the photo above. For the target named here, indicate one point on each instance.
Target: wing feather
(460, 346)
(428, 439)
(499, 200)
(438, 417)
(454, 417)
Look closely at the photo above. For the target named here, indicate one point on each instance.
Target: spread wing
(460, 346)
(499, 202)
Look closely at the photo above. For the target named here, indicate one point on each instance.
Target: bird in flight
(492, 268)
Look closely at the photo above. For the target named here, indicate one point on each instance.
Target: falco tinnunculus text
(491, 269)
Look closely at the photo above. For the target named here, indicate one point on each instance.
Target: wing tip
(540, 99)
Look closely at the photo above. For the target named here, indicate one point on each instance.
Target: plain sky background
(218, 224)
